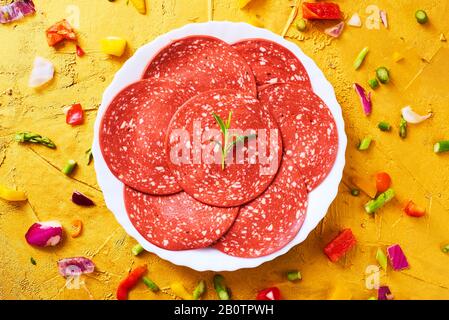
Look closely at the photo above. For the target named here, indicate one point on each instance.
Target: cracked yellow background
(420, 80)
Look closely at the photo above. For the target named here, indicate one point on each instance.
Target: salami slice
(308, 129)
(272, 63)
(195, 158)
(132, 134)
(177, 222)
(203, 63)
(270, 222)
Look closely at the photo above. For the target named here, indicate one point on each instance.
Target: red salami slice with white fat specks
(132, 134)
(203, 63)
(195, 159)
(272, 63)
(308, 129)
(270, 222)
(177, 222)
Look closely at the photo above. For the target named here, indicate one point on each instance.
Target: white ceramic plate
(208, 258)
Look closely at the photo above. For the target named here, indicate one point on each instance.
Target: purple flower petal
(397, 258)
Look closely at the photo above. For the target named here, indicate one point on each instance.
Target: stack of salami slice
(197, 203)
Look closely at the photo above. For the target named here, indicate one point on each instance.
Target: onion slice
(43, 72)
(397, 258)
(383, 18)
(75, 266)
(44, 234)
(81, 200)
(384, 293)
(16, 10)
(365, 99)
(412, 117)
(335, 31)
(355, 21)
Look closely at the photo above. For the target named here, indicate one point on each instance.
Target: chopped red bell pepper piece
(75, 115)
(340, 245)
(130, 282)
(383, 182)
(59, 32)
(272, 293)
(79, 51)
(321, 11)
(413, 210)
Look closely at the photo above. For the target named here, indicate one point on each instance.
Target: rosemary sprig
(229, 141)
(89, 156)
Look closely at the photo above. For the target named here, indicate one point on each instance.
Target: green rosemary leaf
(237, 140)
(228, 123)
(220, 122)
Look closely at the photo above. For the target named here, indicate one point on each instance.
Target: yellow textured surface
(420, 80)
